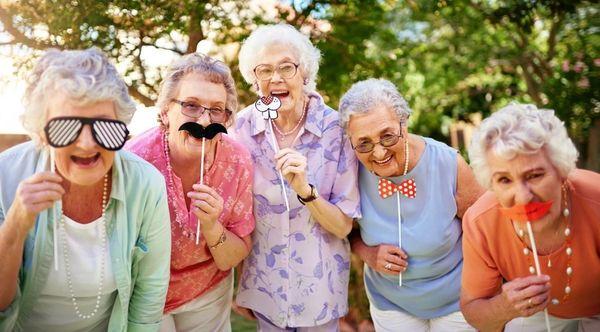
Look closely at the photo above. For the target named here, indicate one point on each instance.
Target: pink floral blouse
(193, 270)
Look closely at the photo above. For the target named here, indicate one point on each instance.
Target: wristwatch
(313, 195)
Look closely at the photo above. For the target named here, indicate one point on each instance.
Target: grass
(241, 324)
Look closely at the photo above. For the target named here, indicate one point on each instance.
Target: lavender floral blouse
(297, 272)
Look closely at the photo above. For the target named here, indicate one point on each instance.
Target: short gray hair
(365, 95)
(211, 69)
(84, 76)
(280, 34)
(521, 129)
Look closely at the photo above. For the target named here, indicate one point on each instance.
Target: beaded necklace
(569, 251)
(284, 135)
(406, 156)
(102, 222)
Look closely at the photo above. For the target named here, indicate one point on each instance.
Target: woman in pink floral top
(200, 89)
(296, 277)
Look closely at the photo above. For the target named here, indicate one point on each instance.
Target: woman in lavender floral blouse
(296, 276)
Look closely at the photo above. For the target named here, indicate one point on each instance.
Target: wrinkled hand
(387, 255)
(293, 167)
(524, 297)
(34, 195)
(207, 205)
(244, 312)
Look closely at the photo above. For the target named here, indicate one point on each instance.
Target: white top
(54, 309)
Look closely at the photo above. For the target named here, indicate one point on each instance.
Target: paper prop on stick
(268, 106)
(407, 188)
(529, 213)
(63, 131)
(200, 132)
(54, 216)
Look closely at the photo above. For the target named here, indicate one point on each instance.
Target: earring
(566, 211)
(255, 85)
(306, 81)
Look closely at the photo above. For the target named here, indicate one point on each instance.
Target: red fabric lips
(528, 212)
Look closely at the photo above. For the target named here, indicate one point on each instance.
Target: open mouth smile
(86, 161)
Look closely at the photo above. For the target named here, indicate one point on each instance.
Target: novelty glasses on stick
(109, 134)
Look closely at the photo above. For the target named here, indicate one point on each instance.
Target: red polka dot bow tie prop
(388, 188)
(407, 188)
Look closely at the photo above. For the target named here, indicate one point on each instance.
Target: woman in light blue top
(84, 228)
(413, 193)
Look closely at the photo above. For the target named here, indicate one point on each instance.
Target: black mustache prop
(199, 131)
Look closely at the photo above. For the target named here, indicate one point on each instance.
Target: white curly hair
(521, 129)
(212, 70)
(84, 76)
(365, 95)
(280, 34)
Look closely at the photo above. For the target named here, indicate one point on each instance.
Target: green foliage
(450, 59)
(241, 324)
(127, 29)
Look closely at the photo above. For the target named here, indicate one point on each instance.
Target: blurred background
(454, 61)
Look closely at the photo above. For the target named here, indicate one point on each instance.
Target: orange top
(493, 252)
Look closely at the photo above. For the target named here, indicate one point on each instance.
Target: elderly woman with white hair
(85, 247)
(296, 276)
(413, 193)
(200, 90)
(525, 158)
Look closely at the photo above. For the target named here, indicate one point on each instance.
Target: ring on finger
(388, 266)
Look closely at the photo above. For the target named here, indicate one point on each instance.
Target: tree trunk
(533, 89)
(137, 95)
(593, 149)
(195, 32)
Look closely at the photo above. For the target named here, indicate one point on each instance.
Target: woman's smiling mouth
(86, 161)
(384, 161)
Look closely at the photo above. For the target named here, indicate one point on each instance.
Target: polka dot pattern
(407, 188)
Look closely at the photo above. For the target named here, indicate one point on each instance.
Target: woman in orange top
(524, 156)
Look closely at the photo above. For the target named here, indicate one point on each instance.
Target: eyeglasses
(109, 134)
(387, 140)
(285, 70)
(193, 110)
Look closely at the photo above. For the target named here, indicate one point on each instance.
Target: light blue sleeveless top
(431, 236)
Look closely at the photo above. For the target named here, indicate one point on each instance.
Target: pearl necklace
(282, 134)
(569, 251)
(406, 156)
(102, 222)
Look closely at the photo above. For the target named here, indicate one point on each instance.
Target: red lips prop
(529, 212)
